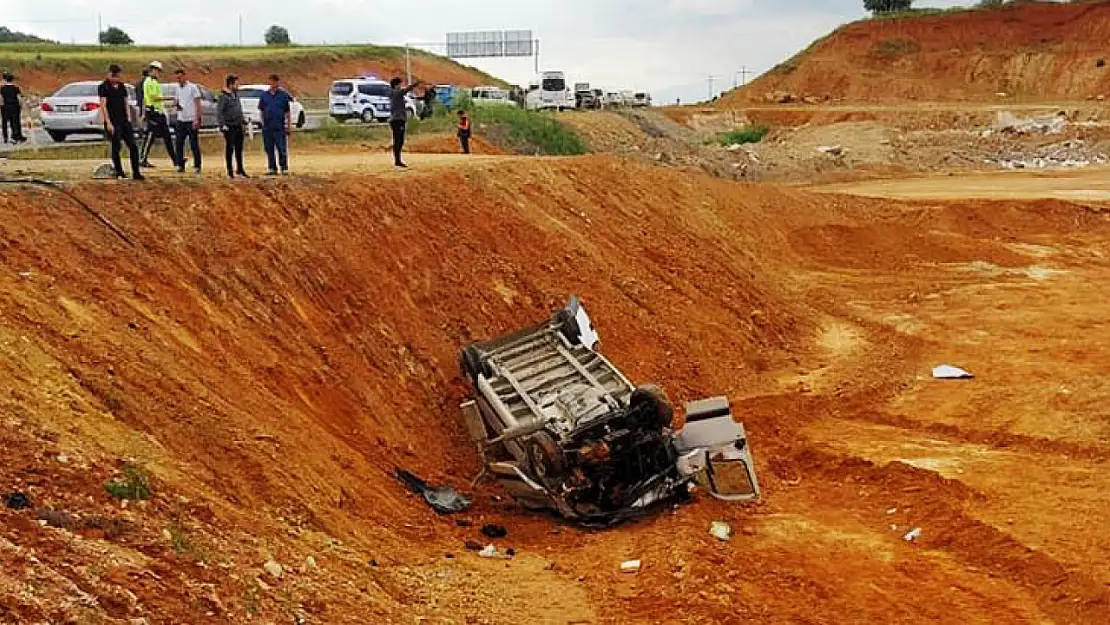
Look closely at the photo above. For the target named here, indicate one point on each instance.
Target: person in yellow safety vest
(154, 114)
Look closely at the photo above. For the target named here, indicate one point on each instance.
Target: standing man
(115, 114)
(464, 131)
(429, 102)
(276, 125)
(399, 117)
(140, 127)
(229, 115)
(187, 104)
(154, 114)
(10, 109)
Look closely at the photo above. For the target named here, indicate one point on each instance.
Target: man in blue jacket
(276, 125)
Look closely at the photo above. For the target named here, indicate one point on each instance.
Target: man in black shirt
(10, 110)
(115, 113)
(399, 116)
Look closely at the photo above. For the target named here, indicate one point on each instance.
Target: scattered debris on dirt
(273, 569)
(442, 499)
(949, 372)
(491, 530)
(653, 137)
(1007, 122)
(490, 551)
(17, 501)
(721, 531)
(1071, 154)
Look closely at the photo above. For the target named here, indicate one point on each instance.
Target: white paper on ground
(948, 372)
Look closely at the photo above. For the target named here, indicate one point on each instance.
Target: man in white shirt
(189, 115)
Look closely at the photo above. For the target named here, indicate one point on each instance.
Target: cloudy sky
(668, 47)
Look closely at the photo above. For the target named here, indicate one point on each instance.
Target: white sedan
(75, 109)
(249, 95)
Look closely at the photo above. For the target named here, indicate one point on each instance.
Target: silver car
(207, 105)
(75, 109)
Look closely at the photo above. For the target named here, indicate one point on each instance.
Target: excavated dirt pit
(269, 352)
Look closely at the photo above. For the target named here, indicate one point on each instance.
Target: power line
(743, 73)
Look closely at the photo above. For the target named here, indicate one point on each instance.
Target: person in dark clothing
(154, 114)
(464, 131)
(115, 114)
(10, 110)
(399, 116)
(229, 115)
(429, 102)
(277, 122)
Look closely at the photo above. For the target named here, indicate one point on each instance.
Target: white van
(364, 98)
(550, 93)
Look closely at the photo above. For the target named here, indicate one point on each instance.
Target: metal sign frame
(490, 44)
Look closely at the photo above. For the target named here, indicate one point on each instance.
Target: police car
(365, 98)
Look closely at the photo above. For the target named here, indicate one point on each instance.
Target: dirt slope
(1046, 51)
(308, 70)
(269, 352)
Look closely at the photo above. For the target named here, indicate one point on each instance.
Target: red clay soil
(309, 76)
(269, 352)
(1033, 50)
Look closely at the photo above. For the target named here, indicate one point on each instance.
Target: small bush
(529, 132)
(747, 134)
(183, 545)
(132, 485)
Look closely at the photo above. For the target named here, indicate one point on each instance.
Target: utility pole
(408, 63)
(99, 28)
(711, 79)
(743, 74)
(240, 30)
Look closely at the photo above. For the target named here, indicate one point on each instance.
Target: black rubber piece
(568, 326)
(652, 405)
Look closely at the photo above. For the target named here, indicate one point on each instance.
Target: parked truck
(584, 97)
(563, 430)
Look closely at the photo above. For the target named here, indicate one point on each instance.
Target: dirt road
(315, 163)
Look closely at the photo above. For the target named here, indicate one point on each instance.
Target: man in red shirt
(464, 131)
